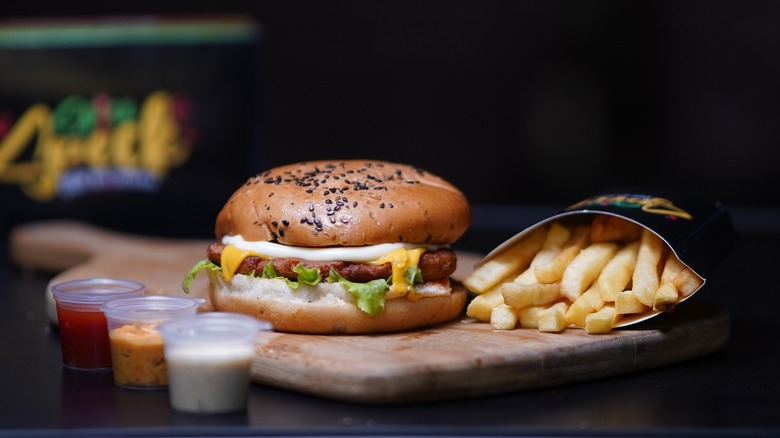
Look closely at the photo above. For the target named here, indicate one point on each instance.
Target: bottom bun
(327, 308)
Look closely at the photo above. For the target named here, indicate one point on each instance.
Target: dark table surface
(734, 391)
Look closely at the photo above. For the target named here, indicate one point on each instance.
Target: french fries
(587, 275)
(552, 271)
(527, 295)
(584, 268)
(514, 259)
(645, 279)
(553, 318)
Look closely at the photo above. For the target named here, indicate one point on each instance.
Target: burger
(343, 246)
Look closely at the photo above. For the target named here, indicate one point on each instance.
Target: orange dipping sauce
(137, 356)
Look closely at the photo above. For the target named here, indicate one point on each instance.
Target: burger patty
(434, 265)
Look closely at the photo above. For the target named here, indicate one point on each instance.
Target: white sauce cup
(209, 356)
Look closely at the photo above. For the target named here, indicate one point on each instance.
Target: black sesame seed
(285, 222)
(281, 233)
(382, 205)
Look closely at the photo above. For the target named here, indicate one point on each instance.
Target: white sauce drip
(349, 254)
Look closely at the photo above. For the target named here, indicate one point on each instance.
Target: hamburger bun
(327, 308)
(345, 203)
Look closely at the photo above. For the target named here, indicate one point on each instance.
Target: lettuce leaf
(201, 265)
(369, 297)
(310, 276)
(413, 274)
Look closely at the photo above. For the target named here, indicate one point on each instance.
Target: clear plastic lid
(95, 291)
(210, 328)
(150, 308)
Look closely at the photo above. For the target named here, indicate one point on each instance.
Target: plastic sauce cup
(209, 357)
(82, 325)
(136, 344)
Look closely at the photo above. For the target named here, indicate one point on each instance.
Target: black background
(516, 102)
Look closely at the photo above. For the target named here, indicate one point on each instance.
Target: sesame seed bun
(345, 203)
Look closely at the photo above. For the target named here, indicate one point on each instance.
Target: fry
(672, 268)
(606, 228)
(585, 268)
(589, 302)
(526, 295)
(513, 260)
(645, 279)
(665, 298)
(481, 305)
(552, 319)
(601, 321)
(626, 303)
(553, 242)
(552, 271)
(503, 317)
(617, 272)
(529, 317)
(687, 282)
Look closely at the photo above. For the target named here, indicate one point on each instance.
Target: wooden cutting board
(463, 358)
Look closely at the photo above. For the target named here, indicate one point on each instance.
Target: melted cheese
(399, 260)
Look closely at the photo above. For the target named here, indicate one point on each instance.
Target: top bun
(345, 203)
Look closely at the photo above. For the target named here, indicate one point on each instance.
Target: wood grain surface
(459, 359)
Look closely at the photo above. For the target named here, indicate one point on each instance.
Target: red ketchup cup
(82, 325)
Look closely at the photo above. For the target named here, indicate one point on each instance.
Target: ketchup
(83, 326)
(84, 338)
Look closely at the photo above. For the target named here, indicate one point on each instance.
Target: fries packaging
(676, 242)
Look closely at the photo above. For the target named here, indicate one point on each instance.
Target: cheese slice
(230, 259)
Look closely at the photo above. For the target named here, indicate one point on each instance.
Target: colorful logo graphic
(646, 203)
(93, 145)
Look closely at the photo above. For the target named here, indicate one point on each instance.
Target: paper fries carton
(670, 243)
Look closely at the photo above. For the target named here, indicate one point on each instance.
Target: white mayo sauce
(349, 254)
(208, 379)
